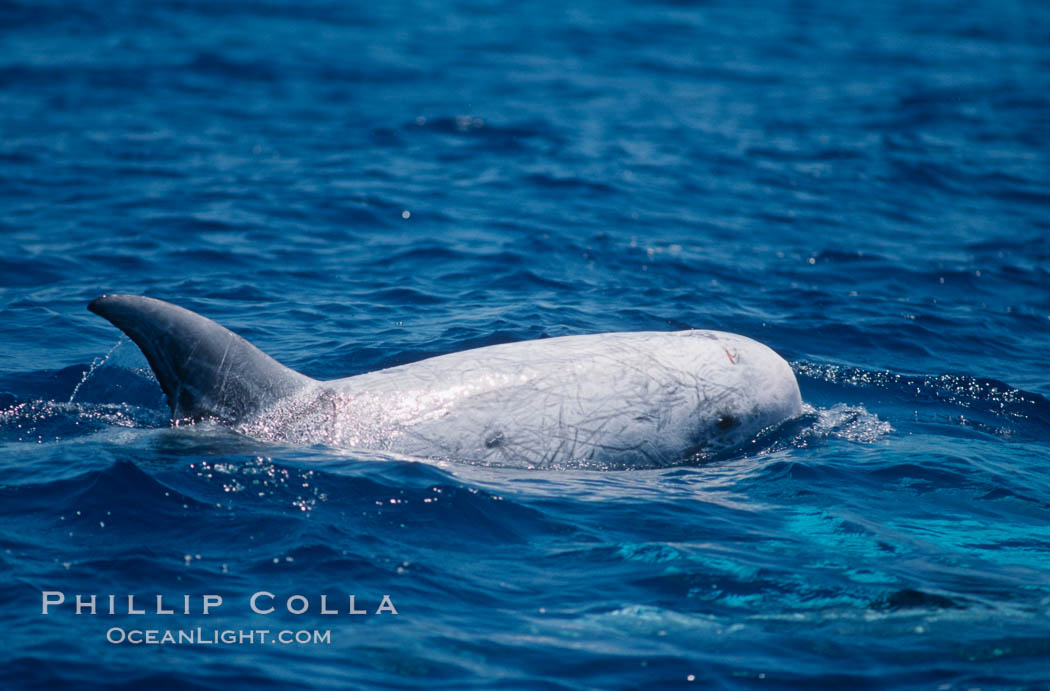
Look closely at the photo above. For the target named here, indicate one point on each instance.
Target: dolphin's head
(760, 391)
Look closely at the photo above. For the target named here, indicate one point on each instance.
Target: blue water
(863, 186)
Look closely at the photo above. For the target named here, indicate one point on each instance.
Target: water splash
(816, 426)
(95, 364)
(46, 421)
(849, 422)
(981, 404)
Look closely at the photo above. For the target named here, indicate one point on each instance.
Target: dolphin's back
(606, 400)
(206, 370)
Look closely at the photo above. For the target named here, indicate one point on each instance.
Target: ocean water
(865, 187)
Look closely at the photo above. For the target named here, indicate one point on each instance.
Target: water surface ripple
(862, 186)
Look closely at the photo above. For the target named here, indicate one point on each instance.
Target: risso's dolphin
(614, 400)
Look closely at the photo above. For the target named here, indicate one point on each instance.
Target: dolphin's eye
(725, 421)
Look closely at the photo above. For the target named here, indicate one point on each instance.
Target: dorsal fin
(205, 369)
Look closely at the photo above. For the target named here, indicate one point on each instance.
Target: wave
(980, 405)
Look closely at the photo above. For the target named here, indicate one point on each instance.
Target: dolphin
(603, 401)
